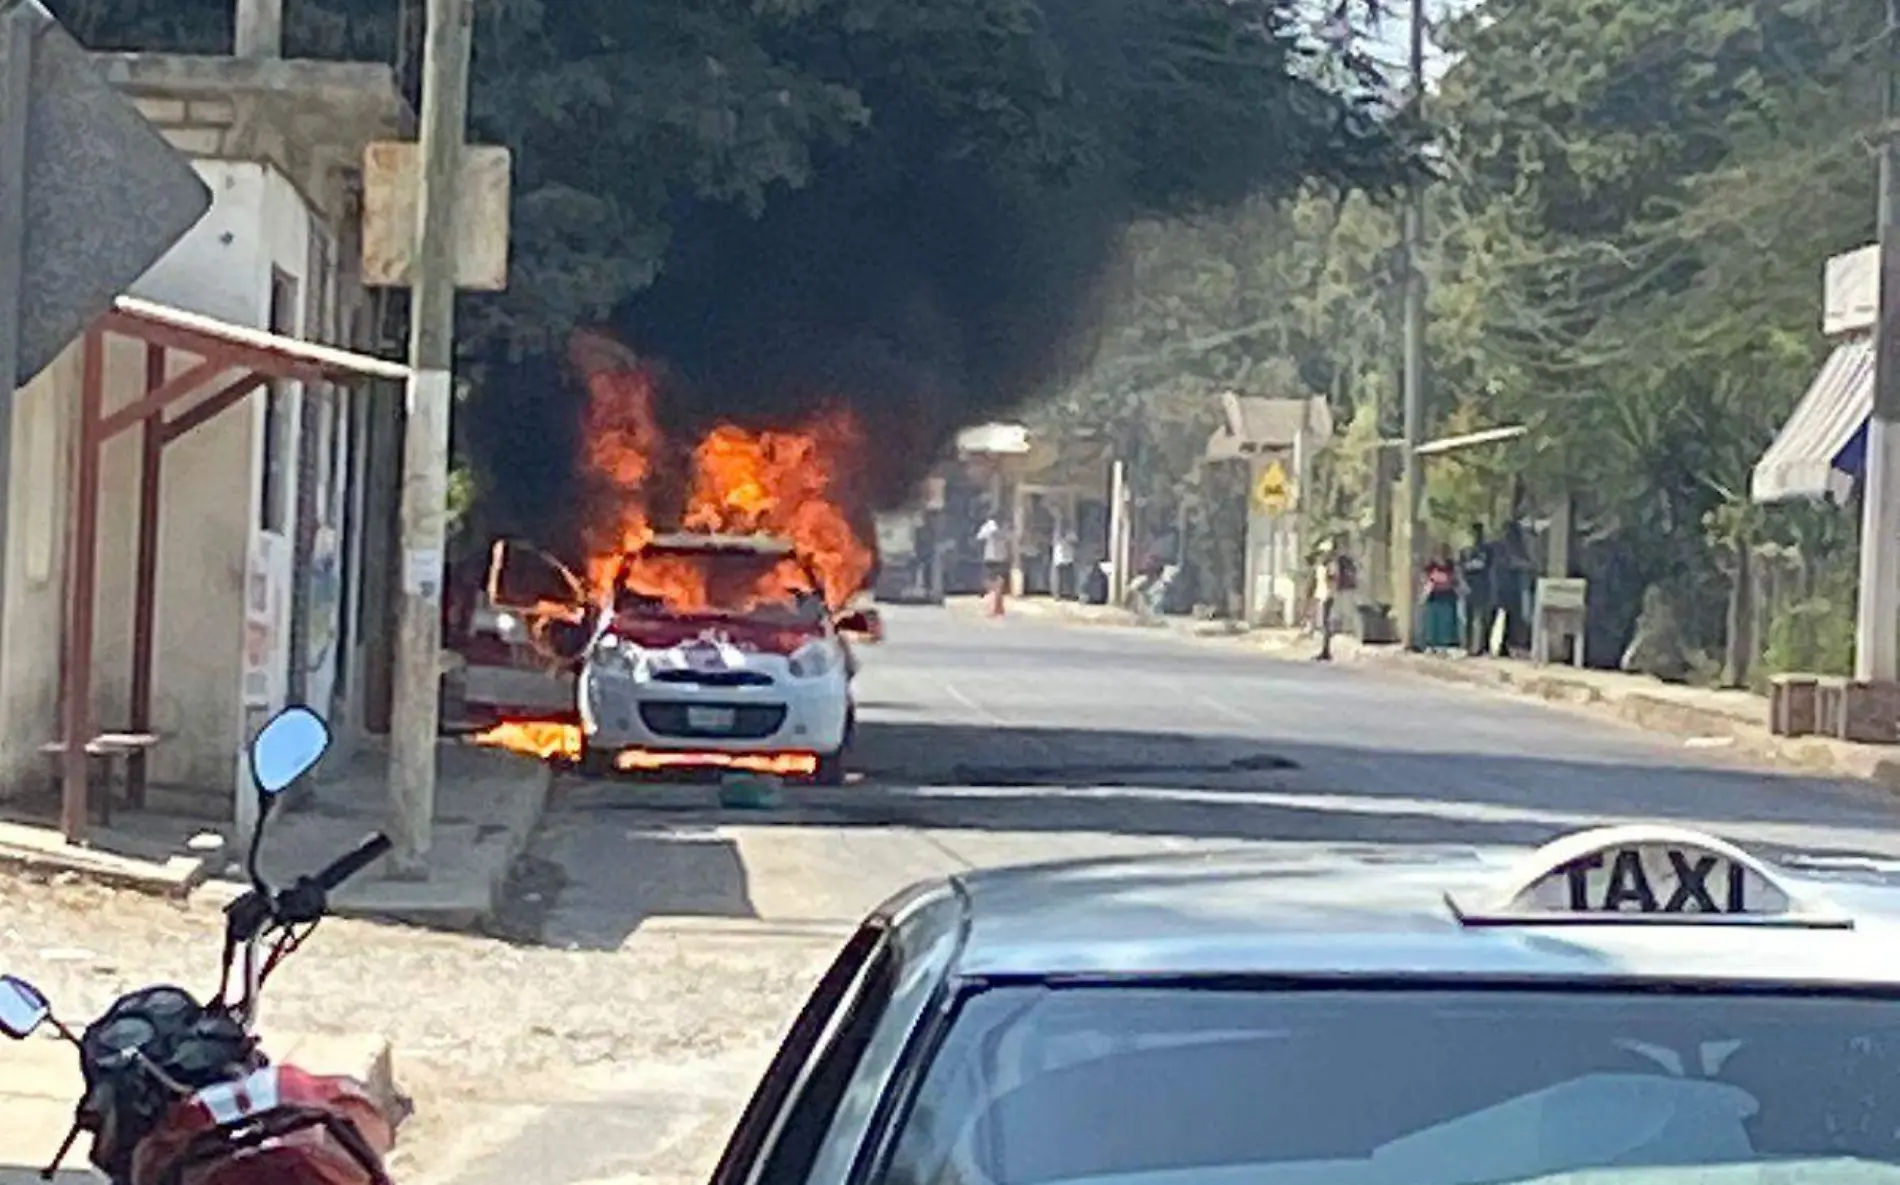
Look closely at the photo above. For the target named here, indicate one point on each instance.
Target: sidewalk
(39, 1083)
(1734, 720)
(487, 805)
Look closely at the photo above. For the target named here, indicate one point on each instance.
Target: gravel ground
(475, 1021)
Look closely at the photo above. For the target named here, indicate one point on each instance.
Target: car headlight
(812, 660)
(616, 655)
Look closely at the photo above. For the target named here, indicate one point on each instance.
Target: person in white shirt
(997, 544)
(1325, 592)
(1062, 553)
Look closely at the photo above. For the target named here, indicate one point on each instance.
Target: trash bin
(1376, 627)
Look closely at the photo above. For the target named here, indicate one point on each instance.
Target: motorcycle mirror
(23, 1007)
(286, 749)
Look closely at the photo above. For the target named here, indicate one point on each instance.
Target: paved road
(1002, 742)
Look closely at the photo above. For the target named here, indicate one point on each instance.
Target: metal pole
(18, 26)
(258, 30)
(1877, 620)
(1412, 479)
(415, 713)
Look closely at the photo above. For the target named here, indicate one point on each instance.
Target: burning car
(703, 649)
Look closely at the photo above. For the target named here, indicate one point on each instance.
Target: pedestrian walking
(996, 543)
(1439, 621)
(1325, 595)
(1062, 555)
(1477, 567)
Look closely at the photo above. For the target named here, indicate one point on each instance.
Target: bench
(105, 752)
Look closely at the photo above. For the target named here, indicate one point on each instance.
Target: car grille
(750, 722)
(715, 678)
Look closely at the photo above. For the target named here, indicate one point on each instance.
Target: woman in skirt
(1440, 625)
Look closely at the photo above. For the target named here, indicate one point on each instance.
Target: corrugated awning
(1821, 447)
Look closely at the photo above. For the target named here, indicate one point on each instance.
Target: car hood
(735, 639)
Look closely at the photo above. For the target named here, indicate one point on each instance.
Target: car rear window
(1131, 1085)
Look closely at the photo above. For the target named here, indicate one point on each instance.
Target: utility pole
(17, 34)
(1412, 477)
(258, 30)
(1877, 620)
(415, 711)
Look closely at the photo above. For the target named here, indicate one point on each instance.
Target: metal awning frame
(1834, 409)
(239, 360)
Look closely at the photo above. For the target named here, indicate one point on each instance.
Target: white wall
(209, 509)
(43, 436)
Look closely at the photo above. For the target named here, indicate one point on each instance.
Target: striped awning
(1822, 446)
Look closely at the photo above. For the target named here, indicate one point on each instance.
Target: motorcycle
(181, 1093)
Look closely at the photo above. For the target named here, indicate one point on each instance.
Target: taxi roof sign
(1645, 873)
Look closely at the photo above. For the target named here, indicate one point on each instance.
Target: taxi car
(743, 671)
(1636, 1005)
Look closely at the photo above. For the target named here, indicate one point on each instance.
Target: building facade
(265, 510)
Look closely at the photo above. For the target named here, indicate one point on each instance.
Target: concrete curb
(45, 850)
(458, 903)
(1664, 715)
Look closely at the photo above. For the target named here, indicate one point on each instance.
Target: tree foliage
(1624, 252)
(625, 115)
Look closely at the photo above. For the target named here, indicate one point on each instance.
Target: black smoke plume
(929, 286)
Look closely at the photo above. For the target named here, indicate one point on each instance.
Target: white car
(737, 674)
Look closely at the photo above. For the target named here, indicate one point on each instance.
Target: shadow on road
(634, 872)
(671, 851)
(906, 754)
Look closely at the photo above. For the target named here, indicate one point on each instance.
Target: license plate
(710, 719)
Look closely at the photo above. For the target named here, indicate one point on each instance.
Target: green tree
(1624, 250)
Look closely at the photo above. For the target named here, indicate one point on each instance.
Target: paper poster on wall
(266, 621)
(422, 572)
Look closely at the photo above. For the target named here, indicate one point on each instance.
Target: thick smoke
(923, 302)
(929, 290)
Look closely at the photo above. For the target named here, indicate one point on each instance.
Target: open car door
(545, 605)
(862, 625)
(854, 626)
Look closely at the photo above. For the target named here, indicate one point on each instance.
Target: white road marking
(987, 716)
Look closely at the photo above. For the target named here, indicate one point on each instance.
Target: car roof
(1371, 913)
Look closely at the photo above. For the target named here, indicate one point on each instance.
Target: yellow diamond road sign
(1272, 492)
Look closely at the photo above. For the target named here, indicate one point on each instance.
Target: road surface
(989, 742)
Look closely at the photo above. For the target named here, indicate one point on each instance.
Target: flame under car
(710, 645)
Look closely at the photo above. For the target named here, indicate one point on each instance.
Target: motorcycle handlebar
(352, 862)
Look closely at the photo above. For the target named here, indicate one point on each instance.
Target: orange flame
(536, 738)
(562, 742)
(788, 484)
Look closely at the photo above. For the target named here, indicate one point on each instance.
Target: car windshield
(696, 582)
(1168, 1086)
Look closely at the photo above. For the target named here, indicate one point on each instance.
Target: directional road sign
(93, 201)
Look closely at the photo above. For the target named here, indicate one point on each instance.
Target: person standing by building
(1439, 621)
(1477, 567)
(1516, 578)
(1325, 597)
(996, 543)
(1062, 555)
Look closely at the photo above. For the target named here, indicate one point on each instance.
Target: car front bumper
(619, 712)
